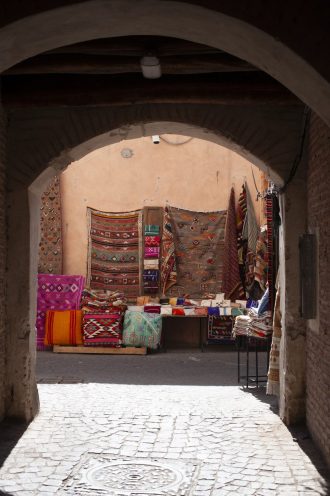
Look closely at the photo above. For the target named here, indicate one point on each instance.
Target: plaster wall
(189, 173)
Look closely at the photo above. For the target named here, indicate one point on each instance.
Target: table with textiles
(253, 333)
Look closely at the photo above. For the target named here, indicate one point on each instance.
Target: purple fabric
(56, 292)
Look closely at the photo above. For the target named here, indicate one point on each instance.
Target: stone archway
(232, 29)
(21, 394)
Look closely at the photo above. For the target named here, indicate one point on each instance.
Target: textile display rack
(252, 344)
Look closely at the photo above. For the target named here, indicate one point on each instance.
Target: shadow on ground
(180, 368)
(10, 433)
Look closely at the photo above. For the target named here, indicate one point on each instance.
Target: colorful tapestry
(151, 251)
(50, 246)
(231, 285)
(241, 244)
(250, 227)
(96, 301)
(103, 329)
(199, 248)
(273, 383)
(151, 230)
(168, 263)
(151, 280)
(220, 329)
(152, 241)
(114, 251)
(261, 264)
(56, 292)
(63, 327)
(142, 329)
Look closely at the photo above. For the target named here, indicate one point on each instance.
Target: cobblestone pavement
(149, 439)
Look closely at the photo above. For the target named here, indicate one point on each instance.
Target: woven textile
(114, 251)
(232, 284)
(150, 280)
(152, 308)
(273, 383)
(103, 329)
(152, 241)
(151, 230)
(151, 251)
(199, 248)
(63, 327)
(168, 263)
(95, 301)
(50, 246)
(220, 329)
(250, 227)
(142, 329)
(261, 265)
(241, 244)
(56, 292)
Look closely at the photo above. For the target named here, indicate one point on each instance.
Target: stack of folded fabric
(151, 259)
(151, 308)
(103, 315)
(96, 301)
(261, 325)
(242, 325)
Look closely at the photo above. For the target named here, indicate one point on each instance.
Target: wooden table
(201, 319)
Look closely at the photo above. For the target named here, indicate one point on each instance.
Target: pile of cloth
(253, 325)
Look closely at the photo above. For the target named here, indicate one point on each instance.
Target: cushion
(63, 327)
(142, 329)
(103, 329)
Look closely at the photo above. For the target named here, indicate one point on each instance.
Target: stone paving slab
(130, 440)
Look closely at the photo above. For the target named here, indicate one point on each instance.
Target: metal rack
(255, 345)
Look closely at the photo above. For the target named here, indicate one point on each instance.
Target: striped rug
(115, 251)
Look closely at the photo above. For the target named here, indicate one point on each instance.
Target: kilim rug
(273, 383)
(50, 246)
(103, 329)
(220, 329)
(241, 244)
(168, 264)
(232, 285)
(56, 292)
(115, 251)
(199, 249)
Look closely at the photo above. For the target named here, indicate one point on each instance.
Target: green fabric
(142, 329)
(237, 311)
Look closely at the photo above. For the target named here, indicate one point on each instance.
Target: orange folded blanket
(63, 327)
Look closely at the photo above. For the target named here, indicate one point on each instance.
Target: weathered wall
(2, 262)
(197, 175)
(318, 334)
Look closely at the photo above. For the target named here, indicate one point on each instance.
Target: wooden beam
(225, 89)
(136, 46)
(100, 350)
(109, 64)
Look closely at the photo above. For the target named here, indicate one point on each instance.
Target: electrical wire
(175, 144)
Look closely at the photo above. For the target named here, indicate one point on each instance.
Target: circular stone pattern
(134, 476)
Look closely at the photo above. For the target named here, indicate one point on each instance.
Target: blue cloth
(264, 303)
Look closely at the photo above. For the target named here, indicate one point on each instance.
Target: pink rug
(56, 292)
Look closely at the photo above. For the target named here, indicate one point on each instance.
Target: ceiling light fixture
(150, 67)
